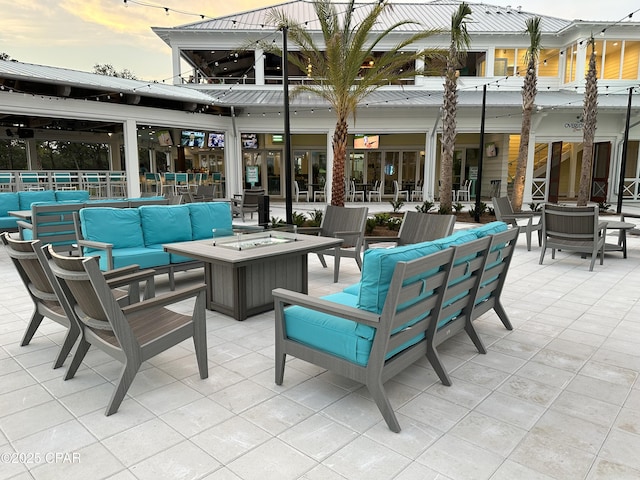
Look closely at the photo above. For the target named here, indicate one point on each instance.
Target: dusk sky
(77, 34)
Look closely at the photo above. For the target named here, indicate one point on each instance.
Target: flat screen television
(366, 141)
(164, 138)
(249, 140)
(216, 140)
(191, 138)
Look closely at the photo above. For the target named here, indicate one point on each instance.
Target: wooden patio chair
(417, 227)
(573, 229)
(30, 262)
(247, 203)
(524, 220)
(132, 334)
(345, 223)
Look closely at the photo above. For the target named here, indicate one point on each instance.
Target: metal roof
(268, 99)
(74, 78)
(427, 15)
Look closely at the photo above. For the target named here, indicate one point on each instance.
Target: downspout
(235, 169)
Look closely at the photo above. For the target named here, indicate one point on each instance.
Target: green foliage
(394, 223)
(458, 207)
(382, 219)
(482, 209)
(277, 222)
(298, 219)
(535, 207)
(371, 224)
(603, 206)
(426, 206)
(110, 71)
(444, 210)
(396, 204)
(315, 218)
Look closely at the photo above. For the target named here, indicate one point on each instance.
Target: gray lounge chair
(573, 229)
(418, 227)
(345, 223)
(505, 213)
(131, 334)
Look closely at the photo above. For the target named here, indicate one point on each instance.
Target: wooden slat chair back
(346, 223)
(573, 229)
(130, 334)
(418, 227)
(504, 213)
(248, 203)
(416, 292)
(52, 224)
(459, 299)
(45, 302)
(494, 276)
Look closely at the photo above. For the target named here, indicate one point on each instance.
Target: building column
(175, 62)
(259, 66)
(419, 79)
(329, 177)
(130, 131)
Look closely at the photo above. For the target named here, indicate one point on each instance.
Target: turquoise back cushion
(8, 202)
(206, 216)
(72, 195)
(456, 238)
(490, 229)
(165, 223)
(27, 198)
(377, 270)
(118, 226)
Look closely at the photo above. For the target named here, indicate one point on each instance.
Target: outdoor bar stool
(182, 183)
(94, 183)
(30, 181)
(64, 181)
(169, 184)
(7, 182)
(153, 182)
(117, 184)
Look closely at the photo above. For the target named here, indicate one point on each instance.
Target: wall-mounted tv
(366, 141)
(190, 138)
(216, 140)
(164, 138)
(249, 140)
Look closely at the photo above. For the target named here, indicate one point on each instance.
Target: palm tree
(349, 44)
(529, 92)
(590, 114)
(460, 41)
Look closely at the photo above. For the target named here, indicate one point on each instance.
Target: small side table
(622, 228)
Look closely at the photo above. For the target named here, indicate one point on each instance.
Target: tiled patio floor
(556, 398)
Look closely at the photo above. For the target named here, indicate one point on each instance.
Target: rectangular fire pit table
(241, 271)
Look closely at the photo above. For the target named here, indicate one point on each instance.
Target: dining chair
(376, 192)
(320, 194)
(397, 192)
(464, 193)
(297, 192)
(117, 184)
(132, 334)
(356, 193)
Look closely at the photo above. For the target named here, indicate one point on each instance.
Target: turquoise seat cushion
(206, 216)
(118, 226)
(340, 337)
(27, 198)
(337, 336)
(72, 195)
(377, 270)
(8, 203)
(165, 223)
(122, 257)
(8, 223)
(173, 258)
(353, 289)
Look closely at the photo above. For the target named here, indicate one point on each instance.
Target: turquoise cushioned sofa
(11, 201)
(126, 236)
(342, 328)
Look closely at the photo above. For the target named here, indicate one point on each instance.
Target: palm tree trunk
(339, 143)
(590, 114)
(448, 136)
